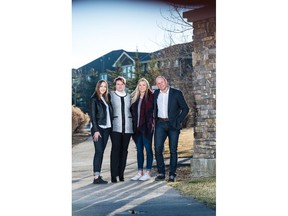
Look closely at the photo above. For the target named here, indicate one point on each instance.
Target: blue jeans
(100, 146)
(142, 142)
(162, 131)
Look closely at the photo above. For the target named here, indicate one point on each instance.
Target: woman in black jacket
(101, 119)
(142, 116)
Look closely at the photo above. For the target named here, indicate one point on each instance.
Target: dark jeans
(142, 142)
(100, 146)
(162, 131)
(119, 152)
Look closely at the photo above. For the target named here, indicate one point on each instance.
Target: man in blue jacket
(170, 111)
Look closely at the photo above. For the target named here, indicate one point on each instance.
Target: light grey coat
(117, 113)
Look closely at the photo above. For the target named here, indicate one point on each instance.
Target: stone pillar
(203, 163)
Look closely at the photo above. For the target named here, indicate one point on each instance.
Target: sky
(99, 27)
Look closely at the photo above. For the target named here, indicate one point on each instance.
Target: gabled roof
(128, 58)
(104, 62)
(108, 61)
(122, 60)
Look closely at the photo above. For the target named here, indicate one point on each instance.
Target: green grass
(201, 189)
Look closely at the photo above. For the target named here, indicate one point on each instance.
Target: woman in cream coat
(122, 129)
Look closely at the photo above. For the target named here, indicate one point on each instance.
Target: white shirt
(108, 122)
(121, 94)
(162, 103)
(139, 110)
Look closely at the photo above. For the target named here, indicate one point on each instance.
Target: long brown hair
(97, 90)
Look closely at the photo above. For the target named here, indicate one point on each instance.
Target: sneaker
(136, 177)
(99, 180)
(160, 177)
(171, 178)
(144, 177)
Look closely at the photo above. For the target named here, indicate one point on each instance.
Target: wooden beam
(189, 2)
(200, 13)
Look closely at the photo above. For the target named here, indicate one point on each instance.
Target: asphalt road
(124, 198)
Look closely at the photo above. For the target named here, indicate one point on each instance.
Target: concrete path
(124, 198)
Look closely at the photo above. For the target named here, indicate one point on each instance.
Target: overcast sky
(103, 26)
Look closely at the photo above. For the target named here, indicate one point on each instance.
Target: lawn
(202, 189)
(185, 144)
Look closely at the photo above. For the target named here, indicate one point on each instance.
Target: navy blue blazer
(177, 107)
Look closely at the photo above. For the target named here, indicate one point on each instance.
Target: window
(176, 64)
(103, 76)
(168, 64)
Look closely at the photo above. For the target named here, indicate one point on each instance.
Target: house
(127, 61)
(109, 61)
(178, 57)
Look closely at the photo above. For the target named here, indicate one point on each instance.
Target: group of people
(139, 115)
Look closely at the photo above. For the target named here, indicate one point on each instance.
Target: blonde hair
(97, 90)
(136, 93)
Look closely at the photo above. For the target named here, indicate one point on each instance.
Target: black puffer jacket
(98, 113)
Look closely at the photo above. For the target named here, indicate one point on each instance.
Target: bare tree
(175, 63)
(176, 59)
(153, 70)
(177, 29)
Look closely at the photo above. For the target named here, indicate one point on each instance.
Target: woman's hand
(96, 136)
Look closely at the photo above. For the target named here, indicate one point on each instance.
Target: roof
(106, 61)
(182, 50)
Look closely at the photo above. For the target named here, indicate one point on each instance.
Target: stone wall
(204, 89)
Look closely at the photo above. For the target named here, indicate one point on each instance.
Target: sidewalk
(128, 197)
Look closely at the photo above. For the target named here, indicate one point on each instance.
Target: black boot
(99, 180)
(113, 180)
